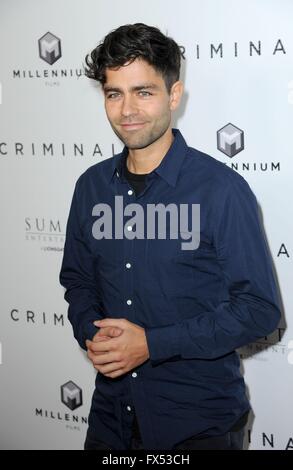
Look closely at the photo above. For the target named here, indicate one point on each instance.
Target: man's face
(137, 103)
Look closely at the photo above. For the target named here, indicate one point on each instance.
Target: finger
(119, 322)
(115, 331)
(92, 355)
(93, 348)
(116, 373)
(96, 339)
(105, 345)
(100, 337)
(102, 359)
(110, 331)
(110, 368)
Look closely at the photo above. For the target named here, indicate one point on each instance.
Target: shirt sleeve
(78, 277)
(252, 309)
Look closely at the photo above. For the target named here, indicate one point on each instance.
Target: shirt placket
(135, 394)
(129, 197)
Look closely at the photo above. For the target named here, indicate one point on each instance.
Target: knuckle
(114, 374)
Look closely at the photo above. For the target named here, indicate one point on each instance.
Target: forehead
(131, 72)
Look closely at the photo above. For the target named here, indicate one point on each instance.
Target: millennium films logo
(71, 395)
(47, 233)
(49, 48)
(230, 141)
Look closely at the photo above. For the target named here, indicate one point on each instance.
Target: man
(161, 322)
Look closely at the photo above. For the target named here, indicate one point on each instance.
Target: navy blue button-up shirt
(197, 306)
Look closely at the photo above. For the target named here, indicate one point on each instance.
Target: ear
(175, 95)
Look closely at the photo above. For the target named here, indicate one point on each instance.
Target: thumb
(112, 331)
(115, 331)
(114, 322)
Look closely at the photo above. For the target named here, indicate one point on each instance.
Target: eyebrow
(146, 86)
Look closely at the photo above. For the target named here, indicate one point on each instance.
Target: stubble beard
(142, 138)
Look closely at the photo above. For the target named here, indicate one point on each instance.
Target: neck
(142, 161)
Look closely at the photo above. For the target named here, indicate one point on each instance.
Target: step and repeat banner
(237, 67)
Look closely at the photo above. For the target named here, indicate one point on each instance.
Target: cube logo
(49, 48)
(71, 395)
(230, 140)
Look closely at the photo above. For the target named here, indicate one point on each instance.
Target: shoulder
(99, 171)
(219, 175)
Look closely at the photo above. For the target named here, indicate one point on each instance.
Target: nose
(128, 106)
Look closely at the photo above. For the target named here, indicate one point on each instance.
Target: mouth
(132, 126)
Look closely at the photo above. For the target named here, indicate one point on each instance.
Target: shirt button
(130, 192)
(128, 408)
(134, 374)
(128, 265)
(129, 302)
(129, 228)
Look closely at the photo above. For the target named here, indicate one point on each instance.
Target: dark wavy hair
(132, 41)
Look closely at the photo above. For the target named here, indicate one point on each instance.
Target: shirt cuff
(163, 342)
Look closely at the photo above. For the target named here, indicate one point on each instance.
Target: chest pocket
(178, 271)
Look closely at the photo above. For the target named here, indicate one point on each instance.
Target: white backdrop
(237, 69)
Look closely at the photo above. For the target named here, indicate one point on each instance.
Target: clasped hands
(117, 347)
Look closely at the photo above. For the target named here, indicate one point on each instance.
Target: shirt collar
(170, 165)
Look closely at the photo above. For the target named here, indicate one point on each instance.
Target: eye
(144, 93)
(112, 96)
